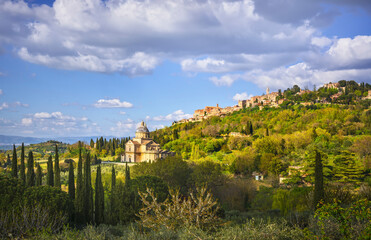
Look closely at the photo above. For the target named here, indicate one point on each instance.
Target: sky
(98, 68)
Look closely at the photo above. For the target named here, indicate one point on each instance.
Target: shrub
(158, 186)
(336, 222)
(199, 210)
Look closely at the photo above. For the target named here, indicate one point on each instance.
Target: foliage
(173, 170)
(30, 180)
(99, 198)
(199, 210)
(156, 184)
(336, 222)
(14, 163)
(57, 171)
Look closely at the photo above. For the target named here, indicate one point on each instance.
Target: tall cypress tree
(88, 192)
(99, 198)
(318, 180)
(57, 171)
(22, 171)
(8, 161)
(50, 174)
(113, 207)
(30, 180)
(127, 177)
(71, 182)
(79, 201)
(251, 129)
(38, 175)
(14, 163)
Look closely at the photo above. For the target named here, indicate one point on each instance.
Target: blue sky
(92, 67)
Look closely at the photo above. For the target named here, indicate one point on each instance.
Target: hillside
(274, 140)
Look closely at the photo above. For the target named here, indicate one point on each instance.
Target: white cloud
(225, 80)
(123, 127)
(133, 37)
(241, 96)
(42, 115)
(1, 92)
(6, 105)
(303, 75)
(321, 41)
(26, 121)
(112, 103)
(122, 113)
(175, 116)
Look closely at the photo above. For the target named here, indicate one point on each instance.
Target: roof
(142, 128)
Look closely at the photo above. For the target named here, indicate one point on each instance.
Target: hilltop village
(332, 91)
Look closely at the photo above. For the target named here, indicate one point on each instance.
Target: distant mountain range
(6, 142)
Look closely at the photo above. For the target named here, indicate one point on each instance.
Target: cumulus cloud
(26, 121)
(133, 37)
(241, 96)
(112, 103)
(225, 80)
(175, 116)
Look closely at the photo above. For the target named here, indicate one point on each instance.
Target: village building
(142, 148)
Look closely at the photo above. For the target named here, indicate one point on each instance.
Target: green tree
(57, 171)
(22, 171)
(318, 180)
(38, 175)
(30, 181)
(88, 192)
(99, 198)
(91, 143)
(113, 207)
(79, 201)
(50, 175)
(71, 182)
(14, 163)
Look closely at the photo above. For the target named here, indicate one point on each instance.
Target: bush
(336, 222)
(199, 210)
(51, 198)
(158, 186)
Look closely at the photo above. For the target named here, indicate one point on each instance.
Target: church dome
(142, 128)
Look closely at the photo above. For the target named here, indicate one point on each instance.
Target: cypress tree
(22, 171)
(8, 161)
(318, 179)
(113, 208)
(79, 201)
(71, 182)
(14, 163)
(88, 192)
(38, 175)
(50, 175)
(57, 171)
(99, 198)
(127, 177)
(30, 180)
(251, 129)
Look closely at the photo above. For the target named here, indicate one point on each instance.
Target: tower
(267, 92)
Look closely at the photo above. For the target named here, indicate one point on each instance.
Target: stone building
(142, 148)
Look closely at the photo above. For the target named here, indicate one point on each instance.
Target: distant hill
(6, 142)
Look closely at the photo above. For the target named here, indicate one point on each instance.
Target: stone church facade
(142, 148)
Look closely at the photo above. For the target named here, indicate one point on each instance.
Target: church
(142, 148)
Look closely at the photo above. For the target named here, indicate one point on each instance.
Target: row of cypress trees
(31, 179)
(87, 209)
